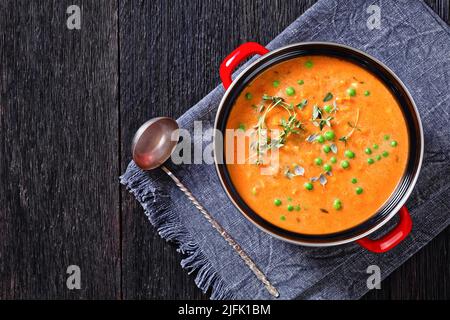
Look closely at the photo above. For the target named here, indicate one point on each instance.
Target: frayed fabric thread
(156, 204)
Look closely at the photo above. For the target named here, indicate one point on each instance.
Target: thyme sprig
(277, 100)
(318, 118)
(290, 126)
(353, 126)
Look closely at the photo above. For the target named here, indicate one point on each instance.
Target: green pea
(241, 127)
(320, 139)
(349, 154)
(328, 108)
(309, 64)
(308, 186)
(276, 83)
(354, 180)
(345, 164)
(333, 160)
(367, 93)
(337, 204)
(329, 135)
(351, 92)
(277, 202)
(359, 190)
(318, 161)
(386, 137)
(327, 167)
(394, 143)
(375, 146)
(385, 154)
(326, 149)
(297, 208)
(368, 151)
(282, 218)
(289, 199)
(248, 96)
(300, 82)
(290, 91)
(370, 161)
(290, 207)
(378, 157)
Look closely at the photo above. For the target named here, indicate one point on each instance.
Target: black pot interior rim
(392, 82)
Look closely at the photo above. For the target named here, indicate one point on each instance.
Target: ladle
(152, 145)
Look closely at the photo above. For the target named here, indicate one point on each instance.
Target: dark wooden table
(70, 103)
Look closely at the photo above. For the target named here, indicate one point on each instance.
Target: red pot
(394, 205)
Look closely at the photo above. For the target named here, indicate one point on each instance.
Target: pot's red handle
(393, 238)
(237, 56)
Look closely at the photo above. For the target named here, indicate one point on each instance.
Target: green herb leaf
(323, 179)
(299, 170)
(318, 120)
(302, 104)
(328, 97)
(317, 113)
(266, 97)
(344, 139)
(311, 138)
(334, 148)
(353, 126)
(290, 126)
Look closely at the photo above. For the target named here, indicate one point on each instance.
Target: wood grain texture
(70, 102)
(59, 150)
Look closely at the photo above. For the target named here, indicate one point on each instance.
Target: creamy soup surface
(327, 179)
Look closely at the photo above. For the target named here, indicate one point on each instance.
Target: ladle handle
(248, 261)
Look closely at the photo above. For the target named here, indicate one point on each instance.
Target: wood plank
(59, 150)
(441, 7)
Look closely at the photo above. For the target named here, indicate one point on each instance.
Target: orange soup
(341, 140)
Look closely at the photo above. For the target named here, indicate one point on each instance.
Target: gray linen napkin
(415, 44)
